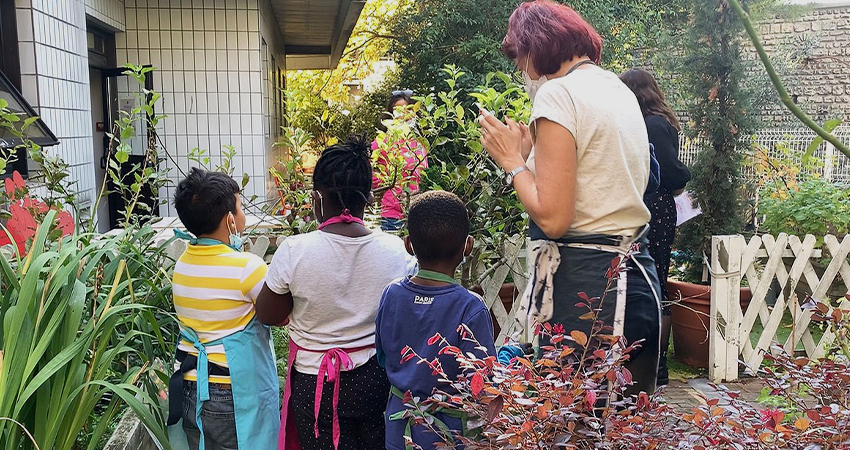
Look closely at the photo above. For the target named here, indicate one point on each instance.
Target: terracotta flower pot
(690, 317)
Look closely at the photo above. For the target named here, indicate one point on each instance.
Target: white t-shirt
(336, 284)
(612, 148)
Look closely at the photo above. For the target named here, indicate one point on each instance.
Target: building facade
(219, 65)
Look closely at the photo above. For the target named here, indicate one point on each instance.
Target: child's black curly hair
(345, 171)
(438, 224)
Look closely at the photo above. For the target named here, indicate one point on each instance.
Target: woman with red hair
(580, 169)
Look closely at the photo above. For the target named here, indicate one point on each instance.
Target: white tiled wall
(110, 12)
(219, 87)
(211, 78)
(273, 106)
(55, 80)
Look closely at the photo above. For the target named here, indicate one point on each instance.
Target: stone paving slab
(684, 395)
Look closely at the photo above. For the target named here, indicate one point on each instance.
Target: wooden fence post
(725, 316)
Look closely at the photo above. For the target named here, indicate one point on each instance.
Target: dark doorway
(112, 90)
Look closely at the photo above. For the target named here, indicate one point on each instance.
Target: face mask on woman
(532, 86)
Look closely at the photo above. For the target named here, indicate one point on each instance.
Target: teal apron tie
(254, 384)
(203, 378)
(192, 240)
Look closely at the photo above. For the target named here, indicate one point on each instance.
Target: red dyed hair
(550, 33)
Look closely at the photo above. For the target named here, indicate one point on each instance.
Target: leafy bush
(559, 399)
(83, 323)
(295, 202)
(431, 34)
(814, 206)
(459, 164)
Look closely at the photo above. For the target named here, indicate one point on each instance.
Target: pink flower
(65, 223)
(21, 226)
(15, 183)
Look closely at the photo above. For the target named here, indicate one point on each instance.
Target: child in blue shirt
(414, 309)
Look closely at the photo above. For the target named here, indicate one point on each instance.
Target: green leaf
(810, 151)
(122, 155)
(127, 132)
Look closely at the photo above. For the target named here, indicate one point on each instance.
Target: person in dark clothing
(663, 130)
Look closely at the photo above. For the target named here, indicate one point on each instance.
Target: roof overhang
(315, 32)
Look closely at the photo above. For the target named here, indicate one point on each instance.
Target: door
(121, 93)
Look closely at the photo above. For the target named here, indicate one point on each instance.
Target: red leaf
(406, 349)
(495, 407)
(627, 376)
(10, 188)
(590, 397)
(434, 339)
(18, 180)
(407, 357)
(450, 350)
(477, 383)
(527, 426)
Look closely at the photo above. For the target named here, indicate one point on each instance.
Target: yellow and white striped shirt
(215, 289)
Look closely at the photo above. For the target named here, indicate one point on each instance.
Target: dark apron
(583, 270)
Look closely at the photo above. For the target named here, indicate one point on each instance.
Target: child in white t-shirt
(328, 283)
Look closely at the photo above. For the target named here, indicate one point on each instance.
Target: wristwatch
(509, 177)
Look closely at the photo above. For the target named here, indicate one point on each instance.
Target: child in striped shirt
(215, 286)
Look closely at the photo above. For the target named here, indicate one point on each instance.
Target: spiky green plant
(81, 333)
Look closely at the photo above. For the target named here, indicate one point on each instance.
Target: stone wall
(821, 82)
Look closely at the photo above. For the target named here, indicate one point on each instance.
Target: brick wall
(821, 83)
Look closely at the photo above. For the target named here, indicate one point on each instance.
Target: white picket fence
(772, 267)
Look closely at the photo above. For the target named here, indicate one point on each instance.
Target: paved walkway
(683, 395)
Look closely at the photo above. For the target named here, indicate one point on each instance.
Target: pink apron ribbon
(335, 361)
(345, 217)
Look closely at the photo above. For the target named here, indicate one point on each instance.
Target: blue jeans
(388, 224)
(217, 417)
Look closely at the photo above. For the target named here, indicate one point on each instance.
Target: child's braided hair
(345, 170)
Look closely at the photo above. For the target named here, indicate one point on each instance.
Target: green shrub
(815, 207)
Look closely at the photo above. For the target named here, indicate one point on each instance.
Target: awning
(315, 32)
(14, 140)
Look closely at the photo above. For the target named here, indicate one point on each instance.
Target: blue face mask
(236, 242)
